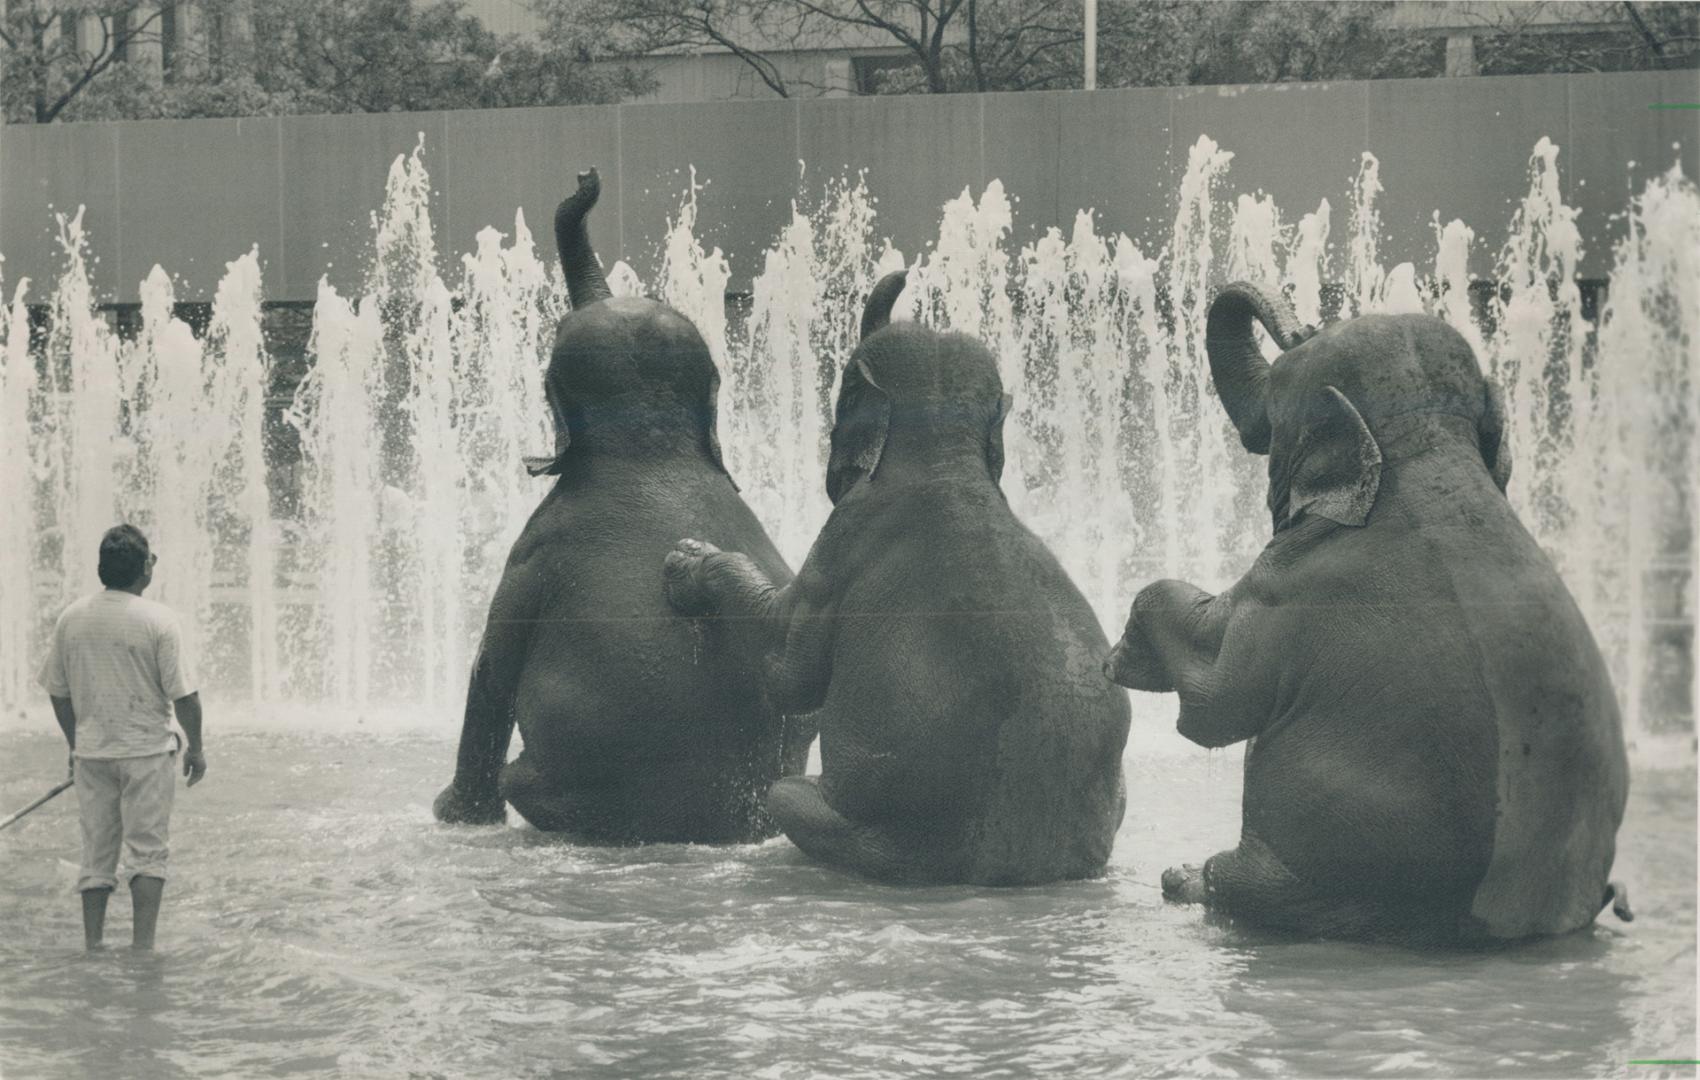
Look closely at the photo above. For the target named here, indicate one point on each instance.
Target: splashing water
(1364, 275)
(20, 418)
(82, 421)
(779, 459)
(1636, 455)
(366, 579)
(1307, 264)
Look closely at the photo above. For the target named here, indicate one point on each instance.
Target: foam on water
(362, 582)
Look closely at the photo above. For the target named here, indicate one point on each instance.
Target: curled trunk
(876, 313)
(585, 283)
(1236, 364)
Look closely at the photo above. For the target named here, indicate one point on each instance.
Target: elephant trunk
(1237, 366)
(876, 313)
(585, 283)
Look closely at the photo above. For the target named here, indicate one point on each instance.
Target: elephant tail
(1617, 895)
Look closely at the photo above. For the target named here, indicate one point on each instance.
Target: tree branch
(1646, 33)
(974, 46)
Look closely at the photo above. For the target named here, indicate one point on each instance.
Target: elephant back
(626, 344)
(1445, 709)
(622, 696)
(967, 690)
(1562, 768)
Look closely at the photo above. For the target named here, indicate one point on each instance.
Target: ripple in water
(319, 922)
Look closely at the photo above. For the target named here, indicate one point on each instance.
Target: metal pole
(1091, 65)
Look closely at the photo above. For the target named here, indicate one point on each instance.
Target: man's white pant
(124, 802)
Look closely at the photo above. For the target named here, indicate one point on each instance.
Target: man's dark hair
(123, 556)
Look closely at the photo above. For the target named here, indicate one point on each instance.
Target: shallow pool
(321, 923)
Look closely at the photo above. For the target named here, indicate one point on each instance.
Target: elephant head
(912, 393)
(625, 371)
(1338, 406)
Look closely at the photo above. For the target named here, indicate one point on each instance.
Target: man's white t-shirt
(119, 658)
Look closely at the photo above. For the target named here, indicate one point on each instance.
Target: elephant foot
(825, 835)
(682, 577)
(1183, 884)
(454, 808)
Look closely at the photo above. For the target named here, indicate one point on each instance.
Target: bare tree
(947, 45)
(919, 26)
(989, 45)
(46, 63)
(1589, 36)
(650, 27)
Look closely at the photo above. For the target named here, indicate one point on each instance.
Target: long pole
(1091, 75)
(35, 804)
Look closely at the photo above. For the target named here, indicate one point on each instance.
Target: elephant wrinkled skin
(637, 725)
(966, 733)
(1436, 750)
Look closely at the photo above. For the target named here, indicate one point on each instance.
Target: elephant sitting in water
(637, 725)
(966, 735)
(1437, 752)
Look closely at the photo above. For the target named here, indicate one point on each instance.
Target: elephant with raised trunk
(966, 734)
(1436, 752)
(637, 726)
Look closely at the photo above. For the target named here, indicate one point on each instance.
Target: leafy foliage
(983, 45)
(66, 59)
(1263, 41)
(287, 56)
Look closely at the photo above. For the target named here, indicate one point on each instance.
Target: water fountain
(362, 586)
(334, 543)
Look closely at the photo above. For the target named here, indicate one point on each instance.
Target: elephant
(1435, 754)
(637, 725)
(953, 667)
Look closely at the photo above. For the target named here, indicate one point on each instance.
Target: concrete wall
(191, 195)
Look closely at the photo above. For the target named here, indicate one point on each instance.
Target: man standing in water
(115, 672)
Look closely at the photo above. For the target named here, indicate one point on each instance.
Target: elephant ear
(1490, 434)
(1337, 467)
(994, 437)
(711, 434)
(859, 430)
(552, 466)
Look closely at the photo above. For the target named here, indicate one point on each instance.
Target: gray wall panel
(528, 159)
(1463, 151)
(1023, 146)
(195, 194)
(745, 154)
(919, 153)
(1296, 142)
(212, 191)
(334, 169)
(1114, 157)
(55, 169)
(1612, 122)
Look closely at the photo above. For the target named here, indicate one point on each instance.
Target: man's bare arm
(188, 709)
(67, 718)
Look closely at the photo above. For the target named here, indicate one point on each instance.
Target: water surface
(321, 923)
